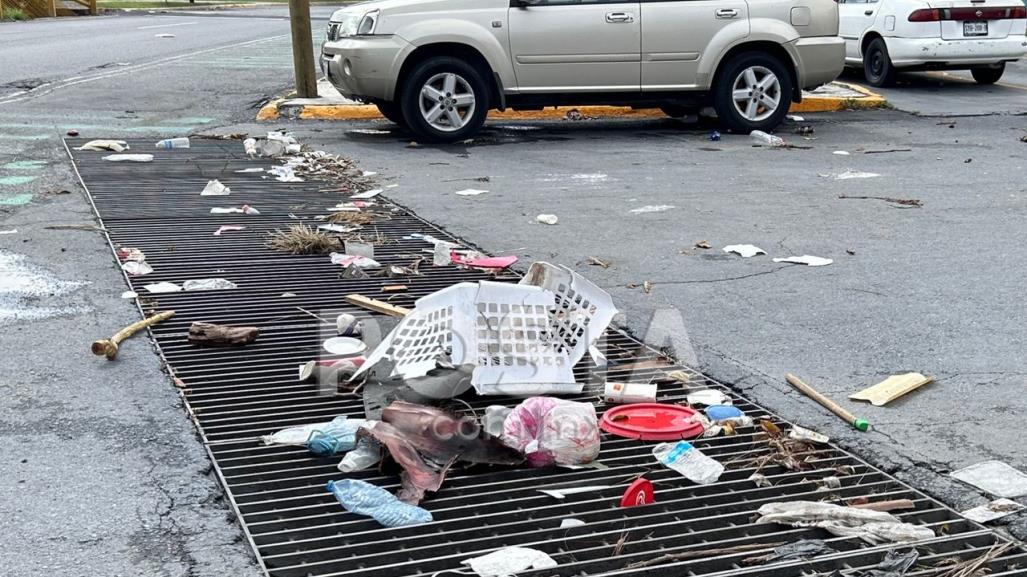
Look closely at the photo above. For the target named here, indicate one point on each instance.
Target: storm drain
(295, 526)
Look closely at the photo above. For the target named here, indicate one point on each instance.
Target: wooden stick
(685, 555)
(109, 347)
(376, 305)
(856, 422)
(886, 506)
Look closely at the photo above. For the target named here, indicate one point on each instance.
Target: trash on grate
(995, 510)
(550, 430)
(208, 284)
(347, 325)
(128, 253)
(841, 153)
(341, 228)
(583, 310)
(129, 158)
(702, 553)
(367, 194)
(363, 498)
(618, 393)
(244, 209)
(493, 419)
(341, 428)
(707, 397)
(302, 239)
(826, 483)
(169, 143)
(760, 480)
(653, 422)
(109, 347)
(639, 492)
(571, 522)
(563, 492)
(689, 461)
(872, 526)
(509, 561)
(215, 188)
(364, 456)
(497, 327)
(891, 388)
(895, 564)
(806, 260)
(481, 261)
(803, 434)
(136, 268)
(801, 549)
(129, 295)
(209, 334)
(162, 287)
(344, 346)
(723, 412)
(745, 250)
(228, 228)
(423, 441)
(104, 146)
(994, 477)
(249, 170)
(470, 192)
(349, 260)
(547, 218)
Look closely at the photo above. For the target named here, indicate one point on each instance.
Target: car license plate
(975, 28)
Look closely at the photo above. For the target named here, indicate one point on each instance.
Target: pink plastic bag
(549, 430)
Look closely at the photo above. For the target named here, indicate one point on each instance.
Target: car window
(566, 2)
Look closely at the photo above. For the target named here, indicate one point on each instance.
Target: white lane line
(136, 68)
(164, 25)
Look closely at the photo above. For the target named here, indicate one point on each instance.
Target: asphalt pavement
(105, 473)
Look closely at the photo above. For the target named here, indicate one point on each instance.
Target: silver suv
(439, 66)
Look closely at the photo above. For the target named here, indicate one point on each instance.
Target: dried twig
(619, 546)
(685, 555)
(973, 567)
(302, 239)
(912, 202)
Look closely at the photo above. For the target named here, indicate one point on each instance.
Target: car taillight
(1018, 12)
(925, 15)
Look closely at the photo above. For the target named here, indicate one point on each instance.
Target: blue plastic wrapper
(723, 412)
(363, 498)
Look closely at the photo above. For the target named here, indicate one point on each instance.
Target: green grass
(15, 14)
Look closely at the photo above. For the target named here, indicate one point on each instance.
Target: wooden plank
(302, 49)
(376, 305)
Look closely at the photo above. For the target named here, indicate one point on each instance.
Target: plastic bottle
(182, 142)
(764, 139)
(364, 456)
(689, 461)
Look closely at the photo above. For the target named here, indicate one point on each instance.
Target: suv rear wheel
(391, 111)
(753, 92)
(988, 74)
(444, 99)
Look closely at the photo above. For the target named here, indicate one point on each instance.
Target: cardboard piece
(891, 388)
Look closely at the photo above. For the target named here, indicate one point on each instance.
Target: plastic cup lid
(638, 493)
(344, 346)
(652, 422)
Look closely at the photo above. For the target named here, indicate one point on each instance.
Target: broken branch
(109, 347)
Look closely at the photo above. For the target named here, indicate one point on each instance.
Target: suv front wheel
(444, 99)
(753, 92)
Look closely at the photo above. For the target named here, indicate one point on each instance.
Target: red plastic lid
(639, 493)
(651, 422)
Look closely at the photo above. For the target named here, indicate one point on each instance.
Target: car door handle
(868, 12)
(727, 13)
(619, 17)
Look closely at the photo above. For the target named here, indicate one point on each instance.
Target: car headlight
(368, 23)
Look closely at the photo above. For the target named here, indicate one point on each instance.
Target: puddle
(25, 288)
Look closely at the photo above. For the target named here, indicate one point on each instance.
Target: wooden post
(53, 8)
(92, 7)
(302, 49)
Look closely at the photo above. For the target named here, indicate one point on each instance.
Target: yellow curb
(367, 112)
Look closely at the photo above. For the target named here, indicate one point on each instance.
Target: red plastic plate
(651, 422)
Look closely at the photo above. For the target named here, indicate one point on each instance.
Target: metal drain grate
(296, 527)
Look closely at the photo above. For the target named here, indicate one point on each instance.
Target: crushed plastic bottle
(366, 455)
(763, 139)
(182, 142)
(689, 461)
(366, 499)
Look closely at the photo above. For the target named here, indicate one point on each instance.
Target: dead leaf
(770, 428)
(631, 285)
(647, 287)
(596, 261)
(702, 244)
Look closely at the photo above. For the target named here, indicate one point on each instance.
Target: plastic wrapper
(509, 561)
(871, 526)
(549, 430)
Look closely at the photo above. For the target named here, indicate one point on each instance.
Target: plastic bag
(363, 498)
(549, 430)
(337, 436)
(871, 526)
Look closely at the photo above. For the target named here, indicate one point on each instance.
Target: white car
(887, 36)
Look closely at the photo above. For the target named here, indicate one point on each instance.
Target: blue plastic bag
(723, 412)
(338, 437)
(363, 498)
